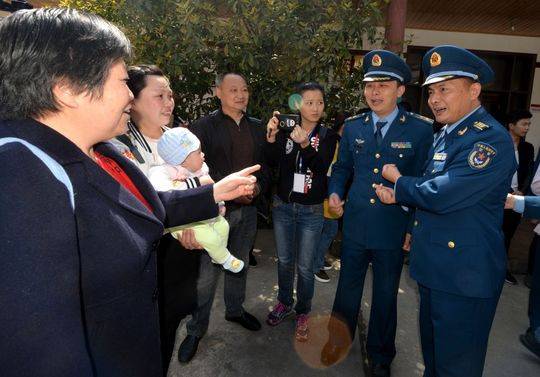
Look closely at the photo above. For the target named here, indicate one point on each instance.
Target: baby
(184, 165)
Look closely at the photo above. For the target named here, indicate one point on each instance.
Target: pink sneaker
(302, 327)
(280, 312)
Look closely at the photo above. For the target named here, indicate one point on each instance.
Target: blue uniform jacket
(78, 287)
(457, 240)
(369, 223)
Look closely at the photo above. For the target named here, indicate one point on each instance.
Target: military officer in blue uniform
(374, 232)
(457, 253)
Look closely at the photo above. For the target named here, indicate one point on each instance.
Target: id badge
(299, 183)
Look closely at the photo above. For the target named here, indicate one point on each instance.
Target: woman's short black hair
(42, 47)
(137, 76)
(312, 85)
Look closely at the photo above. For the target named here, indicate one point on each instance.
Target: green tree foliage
(276, 44)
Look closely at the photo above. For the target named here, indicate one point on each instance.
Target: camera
(287, 122)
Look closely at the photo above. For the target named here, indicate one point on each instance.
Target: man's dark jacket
(216, 144)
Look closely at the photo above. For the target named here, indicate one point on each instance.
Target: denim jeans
(329, 231)
(297, 230)
(243, 228)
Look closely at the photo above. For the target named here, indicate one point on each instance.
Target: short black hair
(221, 76)
(311, 85)
(516, 115)
(137, 76)
(42, 47)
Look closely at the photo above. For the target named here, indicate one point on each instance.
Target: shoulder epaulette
(354, 117)
(421, 117)
(480, 126)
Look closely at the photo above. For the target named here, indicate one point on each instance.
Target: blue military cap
(382, 65)
(446, 62)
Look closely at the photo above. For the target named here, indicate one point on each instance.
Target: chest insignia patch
(359, 142)
(289, 145)
(481, 155)
(401, 145)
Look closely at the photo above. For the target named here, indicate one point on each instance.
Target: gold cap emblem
(435, 59)
(376, 60)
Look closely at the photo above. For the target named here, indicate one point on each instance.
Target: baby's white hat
(176, 144)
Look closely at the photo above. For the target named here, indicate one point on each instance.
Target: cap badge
(435, 59)
(376, 60)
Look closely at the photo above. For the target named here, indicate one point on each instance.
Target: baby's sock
(233, 264)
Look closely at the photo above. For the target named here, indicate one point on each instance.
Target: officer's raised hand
(300, 136)
(391, 173)
(385, 194)
(335, 204)
(272, 128)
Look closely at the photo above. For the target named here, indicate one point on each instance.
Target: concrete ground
(229, 350)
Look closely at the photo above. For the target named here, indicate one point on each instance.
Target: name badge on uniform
(441, 156)
(401, 145)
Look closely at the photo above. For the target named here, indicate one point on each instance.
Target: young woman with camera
(303, 154)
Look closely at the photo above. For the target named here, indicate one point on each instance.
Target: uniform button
(377, 155)
(451, 244)
(375, 170)
(372, 201)
(373, 185)
(415, 223)
(400, 155)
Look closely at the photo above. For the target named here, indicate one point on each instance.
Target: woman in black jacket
(80, 224)
(303, 157)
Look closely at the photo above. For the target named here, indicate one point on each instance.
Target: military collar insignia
(480, 126)
(402, 119)
(366, 119)
(435, 59)
(376, 60)
(462, 131)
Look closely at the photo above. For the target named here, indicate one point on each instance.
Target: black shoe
(510, 279)
(322, 276)
(247, 321)
(188, 348)
(332, 353)
(528, 340)
(252, 260)
(327, 265)
(380, 370)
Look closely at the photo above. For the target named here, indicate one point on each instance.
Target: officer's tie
(439, 143)
(378, 133)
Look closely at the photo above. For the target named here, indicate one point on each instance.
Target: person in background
(79, 295)
(303, 157)
(330, 224)
(229, 139)
(529, 206)
(151, 112)
(374, 233)
(518, 124)
(457, 250)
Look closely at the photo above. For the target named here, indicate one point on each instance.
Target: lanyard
(299, 160)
